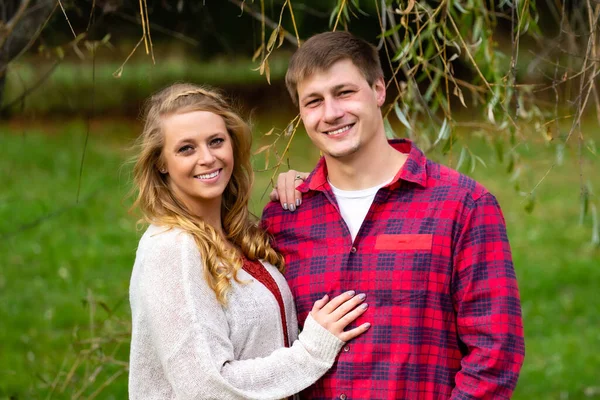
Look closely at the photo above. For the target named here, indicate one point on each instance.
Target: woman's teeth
(208, 176)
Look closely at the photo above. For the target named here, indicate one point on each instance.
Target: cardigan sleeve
(189, 330)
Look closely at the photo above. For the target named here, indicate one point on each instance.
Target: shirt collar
(414, 169)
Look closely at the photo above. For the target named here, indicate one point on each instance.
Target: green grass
(66, 262)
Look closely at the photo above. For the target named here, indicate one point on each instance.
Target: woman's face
(198, 157)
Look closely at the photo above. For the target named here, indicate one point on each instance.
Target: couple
(213, 316)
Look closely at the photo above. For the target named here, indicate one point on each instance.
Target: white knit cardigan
(185, 345)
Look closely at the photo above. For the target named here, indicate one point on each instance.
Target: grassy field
(67, 251)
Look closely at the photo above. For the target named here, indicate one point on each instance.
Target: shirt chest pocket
(403, 266)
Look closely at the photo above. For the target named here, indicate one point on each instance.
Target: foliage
(520, 85)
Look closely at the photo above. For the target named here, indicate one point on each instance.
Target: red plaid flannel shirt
(433, 257)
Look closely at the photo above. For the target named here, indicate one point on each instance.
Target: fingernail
(362, 296)
(285, 206)
(364, 305)
(297, 202)
(292, 207)
(350, 293)
(368, 325)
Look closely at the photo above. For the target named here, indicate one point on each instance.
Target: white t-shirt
(355, 204)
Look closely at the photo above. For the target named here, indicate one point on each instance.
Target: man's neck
(366, 168)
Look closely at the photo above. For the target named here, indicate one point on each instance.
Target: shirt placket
(343, 389)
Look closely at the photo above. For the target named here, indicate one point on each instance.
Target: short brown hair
(323, 50)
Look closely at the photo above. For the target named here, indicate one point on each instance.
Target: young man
(426, 244)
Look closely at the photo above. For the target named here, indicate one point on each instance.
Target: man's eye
(345, 92)
(312, 103)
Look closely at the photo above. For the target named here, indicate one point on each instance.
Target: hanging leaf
(499, 149)
(267, 158)
(281, 35)
(261, 149)
(257, 52)
(584, 202)
(595, 226)
(458, 92)
(272, 39)
(267, 71)
(270, 132)
(464, 156)
(389, 132)
(409, 7)
(443, 133)
(401, 117)
(530, 204)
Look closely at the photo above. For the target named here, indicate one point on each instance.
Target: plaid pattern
(433, 258)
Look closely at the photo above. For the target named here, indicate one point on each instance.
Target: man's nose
(333, 110)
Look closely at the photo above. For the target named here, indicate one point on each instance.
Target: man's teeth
(208, 176)
(338, 131)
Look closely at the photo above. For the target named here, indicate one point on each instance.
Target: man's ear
(379, 87)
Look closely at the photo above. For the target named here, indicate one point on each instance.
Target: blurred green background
(67, 240)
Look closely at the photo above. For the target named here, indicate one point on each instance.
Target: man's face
(340, 110)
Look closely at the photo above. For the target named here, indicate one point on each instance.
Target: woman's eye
(312, 103)
(217, 141)
(185, 149)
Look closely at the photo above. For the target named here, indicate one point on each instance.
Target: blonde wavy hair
(160, 206)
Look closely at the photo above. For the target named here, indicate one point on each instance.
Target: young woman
(212, 315)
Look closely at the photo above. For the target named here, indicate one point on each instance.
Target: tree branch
(255, 14)
(10, 25)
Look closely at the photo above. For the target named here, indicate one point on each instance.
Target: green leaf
(499, 149)
(560, 153)
(511, 163)
(389, 132)
(584, 202)
(459, 7)
(443, 133)
(530, 204)
(401, 117)
(595, 227)
(464, 156)
(449, 143)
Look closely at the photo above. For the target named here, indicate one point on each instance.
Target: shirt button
(346, 348)
(353, 249)
(343, 396)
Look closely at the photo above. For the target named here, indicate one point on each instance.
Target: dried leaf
(457, 92)
(408, 9)
(268, 72)
(270, 132)
(267, 158)
(272, 39)
(118, 73)
(257, 52)
(261, 149)
(281, 37)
